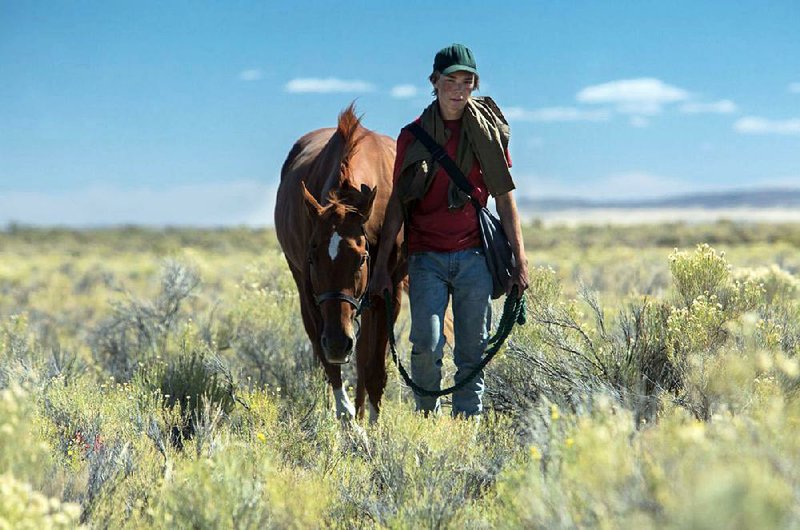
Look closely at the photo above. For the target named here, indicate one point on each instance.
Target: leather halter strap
(338, 295)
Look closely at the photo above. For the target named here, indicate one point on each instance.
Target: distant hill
(759, 198)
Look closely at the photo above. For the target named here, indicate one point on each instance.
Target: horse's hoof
(373, 413)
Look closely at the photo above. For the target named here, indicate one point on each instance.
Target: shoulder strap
(441, 156)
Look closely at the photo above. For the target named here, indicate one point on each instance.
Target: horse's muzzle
(337, 350)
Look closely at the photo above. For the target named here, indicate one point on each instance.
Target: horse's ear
(368, 199)
(313, 207)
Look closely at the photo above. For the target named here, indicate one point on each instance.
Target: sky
(181, 113)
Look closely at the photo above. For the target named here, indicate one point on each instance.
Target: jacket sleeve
(403, 141)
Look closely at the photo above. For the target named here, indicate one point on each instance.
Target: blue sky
(183, 112)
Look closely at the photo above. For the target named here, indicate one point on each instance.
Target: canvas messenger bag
(496, 248)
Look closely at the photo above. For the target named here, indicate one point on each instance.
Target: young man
(445, 256)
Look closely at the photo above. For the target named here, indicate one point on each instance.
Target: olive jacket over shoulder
(484, 135)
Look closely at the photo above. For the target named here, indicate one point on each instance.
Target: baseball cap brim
(459, 68)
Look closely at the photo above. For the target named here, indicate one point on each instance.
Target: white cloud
(553, 114)
(723, 106)
(253, 74)
(638, 98)
(634, 96)
(210, 204)
(756, 125)
(646, 108)
(404, 91)
(327, 85)
(794, 88)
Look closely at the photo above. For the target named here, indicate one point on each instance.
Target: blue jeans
(433, 277)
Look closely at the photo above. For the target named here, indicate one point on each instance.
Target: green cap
(454, 58)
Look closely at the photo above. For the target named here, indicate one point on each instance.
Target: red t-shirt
(434, 227)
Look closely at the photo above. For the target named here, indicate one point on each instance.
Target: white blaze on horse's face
(333, 246)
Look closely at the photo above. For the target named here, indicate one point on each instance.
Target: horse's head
(338, 265)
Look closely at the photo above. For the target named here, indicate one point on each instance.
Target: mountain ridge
(784, 197)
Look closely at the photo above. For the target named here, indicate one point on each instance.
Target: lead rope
(514, 312)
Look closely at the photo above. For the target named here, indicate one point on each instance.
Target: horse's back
(291, 221)
(305, 151)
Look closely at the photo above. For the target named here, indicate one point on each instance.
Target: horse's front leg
(312, 321)
(364, 353)
(344, 408)
(372, 357)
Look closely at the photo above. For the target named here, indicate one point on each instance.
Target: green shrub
(699, 273)
(19, 359)
(30, 484)
(564, 354)
(664, 394)
(266, 332)
(597, 470)
(140, 330)
(779, 322)
(23, 508)
(22, 454)
(239, 489)
(193, 384)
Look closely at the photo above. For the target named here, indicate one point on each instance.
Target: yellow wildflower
(569, 442)
(535, 454)
(554, 414)
(261, 437)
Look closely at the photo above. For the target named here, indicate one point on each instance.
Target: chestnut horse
(335, 184)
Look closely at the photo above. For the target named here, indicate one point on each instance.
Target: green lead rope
(514, 312)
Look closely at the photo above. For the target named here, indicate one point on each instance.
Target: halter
(359, 304)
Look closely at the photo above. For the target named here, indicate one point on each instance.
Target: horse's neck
(331, 183)
(333, 158)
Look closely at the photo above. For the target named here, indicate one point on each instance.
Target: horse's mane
(338, 207)
(343, 199)
(347, 127)
(343, 196)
